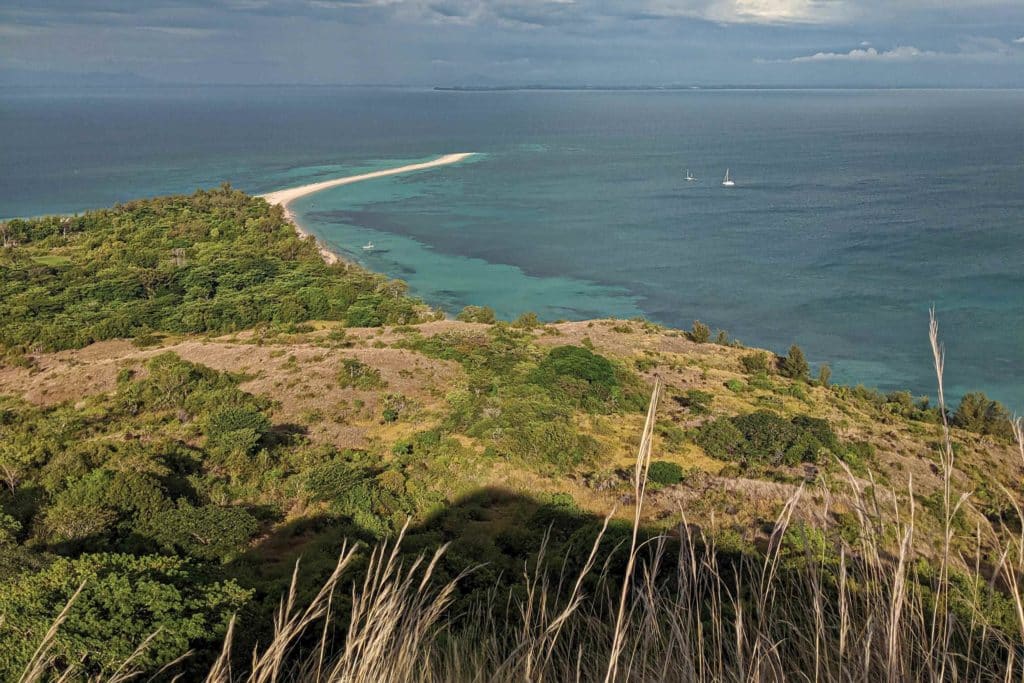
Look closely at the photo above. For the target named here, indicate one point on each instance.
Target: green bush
(163, 601)
(477, 314)
(665, 473)
(587, 379)
(721, 439)
(756, 363)
(237, 428)
(735, 386)
(765, 437)
(858, 455)
(358, 375)
(697, 401)
(527, 321)
(208, 532)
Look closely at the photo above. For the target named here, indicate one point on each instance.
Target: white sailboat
(368, 246)
(689, 176)
(728, 181)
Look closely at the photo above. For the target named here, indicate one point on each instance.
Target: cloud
(971, 48)
(1020, 40)
(900, 53)
(183, 31)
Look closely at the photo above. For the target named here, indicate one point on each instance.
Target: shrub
(735, 385)
(721, 439)
(527, 321)
(665, 473)
(824, 374)
(208, 532)
(766, 437)
(858, 455)
(673, 435)
(392, 407)
(700, 333)
(794, 365)
(756, 363)
(333, 479)
(477, 314)
(699, 402)
(358, 375)
(589, 380)
(236, 428)
(165, 601)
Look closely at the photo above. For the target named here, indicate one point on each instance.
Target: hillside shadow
(493, 536)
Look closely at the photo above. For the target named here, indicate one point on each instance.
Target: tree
(794, 365)
(124, 600)
(824, 374)
(978, 413)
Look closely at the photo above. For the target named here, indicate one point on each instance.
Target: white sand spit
(285, 197)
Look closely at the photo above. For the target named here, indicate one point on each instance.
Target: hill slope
(192, 400)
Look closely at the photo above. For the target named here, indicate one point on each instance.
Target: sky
(945, 43)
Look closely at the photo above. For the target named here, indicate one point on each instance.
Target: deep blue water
(854, 211)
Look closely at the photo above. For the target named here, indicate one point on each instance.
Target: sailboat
(728, 181)
(689, 176)
(368, 246)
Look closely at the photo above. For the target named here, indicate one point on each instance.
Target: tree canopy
(213, 262)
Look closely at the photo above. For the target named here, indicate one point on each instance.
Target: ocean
(853, 211)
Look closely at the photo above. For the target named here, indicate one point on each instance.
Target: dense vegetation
(163, 484)
(177, 496)
(214, 262)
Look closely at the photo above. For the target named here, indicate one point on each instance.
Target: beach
(286, 196)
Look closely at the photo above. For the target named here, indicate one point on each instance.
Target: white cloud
(969, 49)
(1020, 40)
(897, 54)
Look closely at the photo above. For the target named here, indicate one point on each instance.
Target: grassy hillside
(192, 401)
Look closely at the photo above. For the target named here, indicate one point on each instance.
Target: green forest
(214, 262)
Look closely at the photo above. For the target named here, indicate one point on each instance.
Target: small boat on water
(689, 176)
(368, 246)
(728, 181)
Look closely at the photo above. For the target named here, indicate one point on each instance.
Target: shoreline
(285, 197)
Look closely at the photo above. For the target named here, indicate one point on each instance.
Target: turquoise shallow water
(853, 211)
